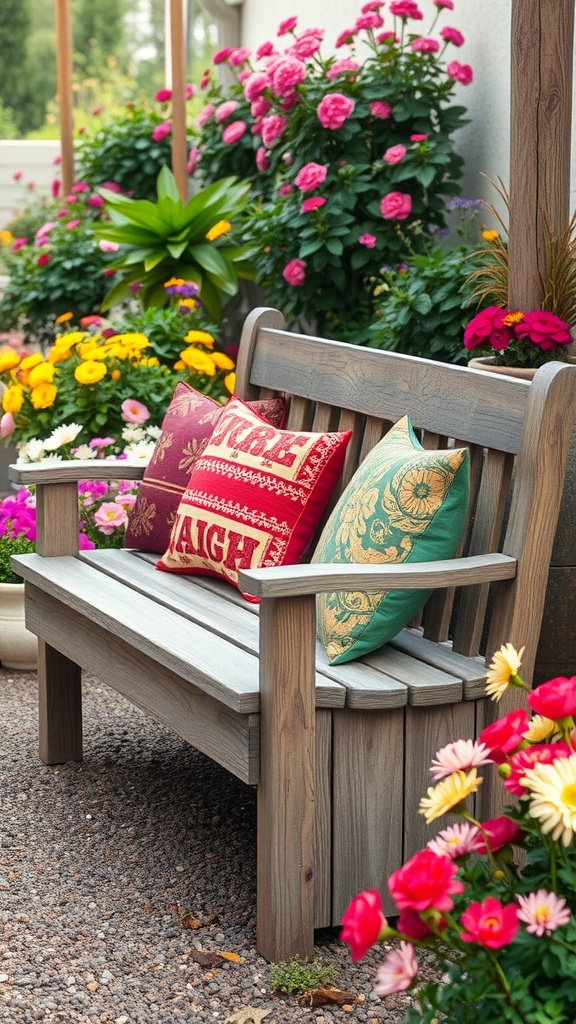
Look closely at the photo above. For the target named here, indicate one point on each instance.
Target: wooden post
(540, 126)
(65, 95)
(179, 136)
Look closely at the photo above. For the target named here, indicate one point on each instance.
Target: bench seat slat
(426, 684)
(471, 671)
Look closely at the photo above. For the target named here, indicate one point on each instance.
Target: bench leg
(285, 911)
(60, 706)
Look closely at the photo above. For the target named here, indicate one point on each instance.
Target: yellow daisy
(503, 670)
(552, 792)
(450, 792)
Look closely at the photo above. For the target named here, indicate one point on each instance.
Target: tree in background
(15, 25)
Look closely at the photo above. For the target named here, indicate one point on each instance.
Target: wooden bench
(339, 754)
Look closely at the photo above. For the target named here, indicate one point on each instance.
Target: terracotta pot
(18, 647)
(486, 363)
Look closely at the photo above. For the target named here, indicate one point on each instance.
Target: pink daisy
(397, 972)
(543, 912)
(455, 841)
(459, 756)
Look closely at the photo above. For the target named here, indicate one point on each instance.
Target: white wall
(36, 161)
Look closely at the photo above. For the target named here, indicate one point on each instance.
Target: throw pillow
(255, 496)
(186, 429)
(404, 504)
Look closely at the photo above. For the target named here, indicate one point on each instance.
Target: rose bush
(340, 150)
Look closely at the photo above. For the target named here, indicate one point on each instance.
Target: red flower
(425, 881)
(362, 922)
(490, 923)
(543, 329)
(503, 736)
(488, 327)
(538, 753)
(43, 259)
(499, 832)
(413, 927)
(554, 699)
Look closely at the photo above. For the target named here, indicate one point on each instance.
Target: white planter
(18, 647)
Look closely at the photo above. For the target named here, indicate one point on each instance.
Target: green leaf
(153, 259)
(166, 185)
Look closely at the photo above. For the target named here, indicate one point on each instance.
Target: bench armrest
(52, 472)
(298, 580)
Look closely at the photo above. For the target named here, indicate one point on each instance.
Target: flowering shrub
(343, 150)
(99, 377)
(504, 936)
(517, 338)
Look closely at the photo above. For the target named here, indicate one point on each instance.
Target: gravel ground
(105, 865)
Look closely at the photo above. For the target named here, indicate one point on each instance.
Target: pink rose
(43, 259)
(418, 137)
(55, 188)
(381, 109)
(554, 699)
(460, 72)
(310, 176)
(95, 201)
(499, 832)
(163, 95)
(314, 203)
(18, 243)
(295, 273)
(505, 735)
(488, 327)
(72, 224)
(134, 411)
(368, 240)
(394, 154)
(286, 26)
(222, 55)
(368, 21)
(425, 881)
(193, 159)
(204, 115)
(161, 131)
(307, 44)
(362, 923)
(444, 3)
(233, 132)
(285, 189)
(262, 161)
(543, 329)
(346, 38)
(260, 107)
(255, 85)
(286, 74)
(406, 9)
(238, 57)
(272, 128)
(334, 109)
(425, 45)
(80, 186)
(396, 206)
(266, 50)
(226, 110)
(490, 923)
(452, 35)
(342, 67)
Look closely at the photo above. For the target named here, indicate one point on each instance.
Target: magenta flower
(161, 131)
(489, 923)
(193, 159)
(72, 224)
(342, 67)
(18, 243)
(334, 109)
(17, 175)
(368, 240)
(272, 128)
(314, 203)
(222, 55)
(260, 107)
(381, 109)
(255, 85)
(286, 74)
(307, 44)
(163, 95)
(80, 187)
(460, 72)
(285, 189)
(204, 115)
(295, 273)
(418, 137)
(262, 161)
(425, 45)
(55, 188)
(225, 110)
(543, 329)
(310, 176)
(346, 38)
(286, 26)
(238, 57)
(371, 5)
(488, 326)
(444, 3)
(394, 154)
(406, 9)
(96, 201)
(265, 50)
(397, 972)
(134, 411)
(43, 259)
(368, 21)
(452, 35)
(233, 132)
(543, 912)
(396, 206)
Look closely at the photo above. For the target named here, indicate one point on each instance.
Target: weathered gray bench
(339, 754)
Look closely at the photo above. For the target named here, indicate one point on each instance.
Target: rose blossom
(543, 329)
(295, 273)
(43, 259)
(381, 109)
(266, 50)
(396, 206)
(334, 109)
(368, 240)
(95, 201)
(499, 832)
(460, 72)
(452, 35)
(314, 203)
(225, 110)
(444, 3)
(18, 243)
(193, 158)
(490, 923)
(286, 26)
(307, 44)
(272, 128)
(425, 881)
(204, 115)
(222, 55)
(163, 95)
(341, 67)
(286, 74)
(260, 107)
(425, 45)
(394, 154)
(411, 924)
(554, 699)
(397, 972)
(406, 9)
(161, 131)
(503, 736)
(254, 85)
(488, 326)
(372, 5)
(262, 161)
(285, 189)
(345, 38)
(362, 923)
(233, 132)
(310, 176)
(418, 137)
(368, 21)
(238, 57)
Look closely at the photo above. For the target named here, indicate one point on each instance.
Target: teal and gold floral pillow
(404, 504)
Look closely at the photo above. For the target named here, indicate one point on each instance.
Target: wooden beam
(65, 95)
(179, 135)
(540, 126)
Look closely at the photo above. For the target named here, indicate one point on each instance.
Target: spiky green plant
(170, 238)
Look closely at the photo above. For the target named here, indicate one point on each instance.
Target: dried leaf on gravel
(206, 959)
(247, 1015)
(321, 996)
(234, 958)
(189, 921)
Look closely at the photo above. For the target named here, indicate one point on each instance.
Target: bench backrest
(517, 432)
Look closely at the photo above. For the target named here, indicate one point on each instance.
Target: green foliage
(13, 546)
(8, 128)
(165, 328)
(170, 238)
(296, 976)
(423, 306)
(15, 24)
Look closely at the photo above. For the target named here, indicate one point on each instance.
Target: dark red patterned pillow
(186, 430)
(255, 496)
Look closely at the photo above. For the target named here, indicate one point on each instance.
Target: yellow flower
(132, 343)
(173, 282)
(200, 338)
(12, 398)
(513, 318)
(552, 792)
(189, 303)
(42, 396)
(229, 382)
(179, 365)
(89, 372)
(29, 361)
(91, 351)
(8, 360)
(150, 361)
(6, 237)
(41, 374)
(540, 729)
(222, 361)
(59, 353)
(219, 229)
(64, 317)
(201, 362)
(119, 351)
(503, 670)
(115, 374)
(450, 792)
(490, 235)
